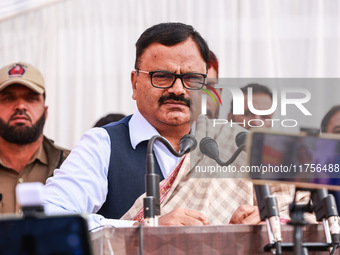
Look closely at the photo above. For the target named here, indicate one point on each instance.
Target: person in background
(213, 68)
(262, 100)
(111, 117)
(331, 124)
(331, 121)
(26, 155)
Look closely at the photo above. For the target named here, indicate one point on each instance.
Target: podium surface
(228, 239)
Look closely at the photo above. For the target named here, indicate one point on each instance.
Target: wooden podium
(229, 239)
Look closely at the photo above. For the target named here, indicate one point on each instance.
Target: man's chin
(176, 119)
(21, 127)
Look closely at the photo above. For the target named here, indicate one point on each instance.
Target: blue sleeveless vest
(127, 169)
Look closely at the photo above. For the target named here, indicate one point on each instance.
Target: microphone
(209, 147)
(30, 197)
(240, 139)
(152, 207)
(187, 144)
(325, 209)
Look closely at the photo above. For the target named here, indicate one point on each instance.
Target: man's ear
(134, 84)
(46, 112)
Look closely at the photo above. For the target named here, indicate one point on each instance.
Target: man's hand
(246, 214)
(181, 216)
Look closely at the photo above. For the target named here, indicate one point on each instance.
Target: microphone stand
(325, 210)
(151, 202)
(324, 207)
(269, 211)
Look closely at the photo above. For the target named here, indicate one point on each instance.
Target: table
(228, 239)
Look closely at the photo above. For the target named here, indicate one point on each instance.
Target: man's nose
(20, 104)
(258, 121)
(177, 88)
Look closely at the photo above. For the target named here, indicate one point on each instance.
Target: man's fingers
(181, 216)
(197, 215)
(188, 221)
(253, 218)
(241, 212)
(245, 214)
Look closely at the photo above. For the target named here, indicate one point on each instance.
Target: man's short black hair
(257, 89)
(170, 34)
(327, 118)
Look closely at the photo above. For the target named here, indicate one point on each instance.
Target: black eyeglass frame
(177, 76)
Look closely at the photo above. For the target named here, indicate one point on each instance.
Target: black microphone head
(209, 147)
(240, 139)
(187, 143)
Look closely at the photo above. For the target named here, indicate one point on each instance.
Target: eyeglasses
(165, 80)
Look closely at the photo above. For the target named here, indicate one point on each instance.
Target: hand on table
(246, 214)
(181, 216)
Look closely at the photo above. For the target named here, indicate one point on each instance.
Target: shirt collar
(140, 129)
(40, 155)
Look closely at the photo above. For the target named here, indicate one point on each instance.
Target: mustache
(20, 112)
(174, 97)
